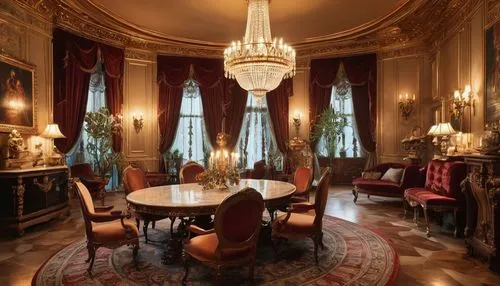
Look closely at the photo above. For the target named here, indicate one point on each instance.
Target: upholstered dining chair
(189, 171)
(305, 220)
(302, 180)
(94, 184)
(135, 179)
(104, 227)
(233, 241)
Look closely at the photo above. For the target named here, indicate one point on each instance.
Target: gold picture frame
(18, 96)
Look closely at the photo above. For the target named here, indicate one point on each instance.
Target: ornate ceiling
(203, 27)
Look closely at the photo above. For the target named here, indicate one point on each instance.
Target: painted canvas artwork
(17, 99)
(493, 73)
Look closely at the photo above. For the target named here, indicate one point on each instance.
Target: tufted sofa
(412, 177)
(441, 191)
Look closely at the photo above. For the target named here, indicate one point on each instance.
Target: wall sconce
(461, 100)
(297, 143)
(138, 121)
(406, 105)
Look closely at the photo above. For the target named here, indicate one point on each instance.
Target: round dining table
(189, 200)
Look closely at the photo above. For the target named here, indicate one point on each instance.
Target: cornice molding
(140, 55)
(412, 24)
(492, 12)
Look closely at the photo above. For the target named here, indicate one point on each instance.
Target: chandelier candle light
(259, 63)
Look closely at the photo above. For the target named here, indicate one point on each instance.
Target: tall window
(256, 141)
(190, 138)
(341, 102)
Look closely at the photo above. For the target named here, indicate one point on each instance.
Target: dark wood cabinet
(482, 192)
(32, 196)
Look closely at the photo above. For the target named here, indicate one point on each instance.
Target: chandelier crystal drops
(259, 63)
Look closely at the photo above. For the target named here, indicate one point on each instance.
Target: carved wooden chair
(135, 179)
(153, 178)
(94, 184)
(233, 241)
(305, 220)
(302, 180)
(104, 227)
(189, 171)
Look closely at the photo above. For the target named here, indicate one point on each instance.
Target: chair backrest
(444, 178)
(321, 197)
(238, 220)
(82, 170)
(87, 206)
(189, 172)
(134, 179)
(302, 180)
(259, 170)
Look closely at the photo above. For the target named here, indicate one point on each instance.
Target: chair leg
(92, 251)
(145, 229)
(355, 194)
(138, 223)
(427, 226)
(172, 220)
(218, 275)
(315, 240)
(368, 196)
(455, 220)
(185, 261)
(321, 241)
(153, 224)
(89, 249)
(415, 216)
(405, 209)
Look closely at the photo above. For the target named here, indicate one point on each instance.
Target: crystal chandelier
(259, 63)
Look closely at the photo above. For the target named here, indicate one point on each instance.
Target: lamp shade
(52, 131)
(432, 130)
(444, 129)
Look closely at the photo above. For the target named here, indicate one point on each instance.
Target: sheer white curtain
(190, 138)
(341, 101)
(256, 141)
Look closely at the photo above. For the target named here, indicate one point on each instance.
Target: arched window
(256, 141)
(190, 137)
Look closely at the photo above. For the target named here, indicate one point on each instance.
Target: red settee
(412, 177)
(441, 191)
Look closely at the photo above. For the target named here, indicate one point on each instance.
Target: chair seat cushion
(376, 185)
(114, 231)
(428, 198)
(203, 248)
(298, 223)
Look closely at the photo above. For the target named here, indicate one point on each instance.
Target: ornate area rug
(353, 255)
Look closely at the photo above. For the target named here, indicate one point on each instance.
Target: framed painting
(17, 96)
(492, 60)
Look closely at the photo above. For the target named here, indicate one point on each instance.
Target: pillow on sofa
(393, 175)
(371, 175)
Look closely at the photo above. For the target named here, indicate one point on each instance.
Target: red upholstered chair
(94, 184)
(233, 241)
(441, 191)
(189, 171)
(135, 179)
(305, 220)
(153, 178)
(302, 180)
(412, 177)
(105, 228)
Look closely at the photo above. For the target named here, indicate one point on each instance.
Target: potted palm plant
(330, 127)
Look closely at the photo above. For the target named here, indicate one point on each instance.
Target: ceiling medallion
(259, 63)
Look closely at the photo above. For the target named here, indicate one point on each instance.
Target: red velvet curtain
(277, 104)
(321, 79)
(362, 74)
(114, 59)
(74, 59)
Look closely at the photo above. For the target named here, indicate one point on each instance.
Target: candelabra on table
(222, 167)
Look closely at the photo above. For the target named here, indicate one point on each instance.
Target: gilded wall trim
(492, 12)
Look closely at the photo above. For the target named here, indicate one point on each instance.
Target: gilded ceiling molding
(411, 51)
(146, 56)
(492, 12)
(22, 16)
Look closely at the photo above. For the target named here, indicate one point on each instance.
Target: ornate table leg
(173, 252)
(19, 197)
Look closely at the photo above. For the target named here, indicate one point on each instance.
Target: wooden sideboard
(482, 192)
(32, 196)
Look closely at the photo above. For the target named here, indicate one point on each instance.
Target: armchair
(302, 180)
(189, 171)
(412, 177)
(135, 179)
(104, 227)
(305, 220)
(95, 185)
(233, 241)
(153, 178)
(441, 192)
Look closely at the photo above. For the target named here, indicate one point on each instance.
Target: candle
(413, 97)
(456, 94)
(400, 97)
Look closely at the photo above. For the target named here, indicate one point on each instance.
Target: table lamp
(443, 131)
(52, 132)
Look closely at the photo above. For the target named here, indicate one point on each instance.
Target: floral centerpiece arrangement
(100, 127)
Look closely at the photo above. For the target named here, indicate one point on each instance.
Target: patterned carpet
(353, 255)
